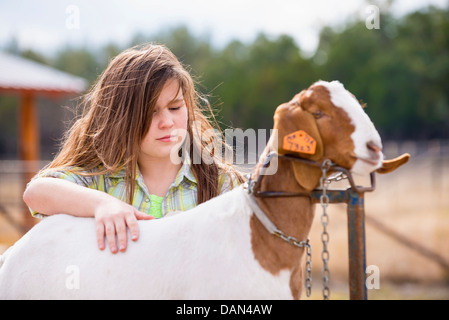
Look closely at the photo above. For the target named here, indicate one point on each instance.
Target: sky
(47, 25)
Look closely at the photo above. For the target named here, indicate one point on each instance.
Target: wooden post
(29, 141)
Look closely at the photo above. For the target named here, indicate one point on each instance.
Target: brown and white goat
(344, 134)
(218, 250)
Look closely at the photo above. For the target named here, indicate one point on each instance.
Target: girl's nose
(165, 120)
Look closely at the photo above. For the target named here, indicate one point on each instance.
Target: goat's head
(327, 122)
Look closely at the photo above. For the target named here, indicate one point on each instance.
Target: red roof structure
(29, 79)
(26, 76)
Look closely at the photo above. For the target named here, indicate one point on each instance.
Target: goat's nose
(372, 146)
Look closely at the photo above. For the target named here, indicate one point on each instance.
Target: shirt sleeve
(68, 175)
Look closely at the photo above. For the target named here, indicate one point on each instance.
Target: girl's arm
(52, 196)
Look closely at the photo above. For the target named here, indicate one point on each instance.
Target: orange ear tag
(299, 141)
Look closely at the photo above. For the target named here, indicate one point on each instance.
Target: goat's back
(203, 253)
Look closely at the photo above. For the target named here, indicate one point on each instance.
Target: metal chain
(308, 282)
(336, 177)
(308, 247)
(324, 201)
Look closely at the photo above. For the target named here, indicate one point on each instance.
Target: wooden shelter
(29, 79)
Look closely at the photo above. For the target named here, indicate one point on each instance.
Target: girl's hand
(112, 219)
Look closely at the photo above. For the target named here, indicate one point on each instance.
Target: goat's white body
(203, 253)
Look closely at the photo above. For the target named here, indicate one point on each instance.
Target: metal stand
(353, 197)
(355, 200)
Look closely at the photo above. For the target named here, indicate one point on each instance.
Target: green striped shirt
(181, 195)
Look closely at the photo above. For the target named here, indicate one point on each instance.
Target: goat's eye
(318, 114)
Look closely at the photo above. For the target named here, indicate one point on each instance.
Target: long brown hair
(117, 113)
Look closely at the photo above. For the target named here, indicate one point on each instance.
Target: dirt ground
(411, 202)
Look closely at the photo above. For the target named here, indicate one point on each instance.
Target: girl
(116, 162)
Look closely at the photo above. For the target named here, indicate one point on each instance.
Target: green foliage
(254, 79)
(400, 70)
(80, 62)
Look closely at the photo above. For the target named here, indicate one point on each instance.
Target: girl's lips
(167, 139)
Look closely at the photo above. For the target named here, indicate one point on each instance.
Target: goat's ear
(289, 119)
(393, 164)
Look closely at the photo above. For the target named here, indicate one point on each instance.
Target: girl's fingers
(120, 229)
(110, 236)
(133, 226)
(116, 230)
(100, 235)
(142, 216)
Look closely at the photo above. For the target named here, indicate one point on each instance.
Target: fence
(14, 175)
(397, 209)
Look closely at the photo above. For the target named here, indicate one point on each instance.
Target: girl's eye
(170, 109)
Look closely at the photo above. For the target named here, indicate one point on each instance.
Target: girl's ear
(298, 135)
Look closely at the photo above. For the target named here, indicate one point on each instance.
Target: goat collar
(260, 214)
(252, 185)
(270, 226)
(327, 164)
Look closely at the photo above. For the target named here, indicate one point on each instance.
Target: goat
(220, 249)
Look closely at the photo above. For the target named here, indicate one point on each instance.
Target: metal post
(356, 237)
(354, 198)
(356, 246)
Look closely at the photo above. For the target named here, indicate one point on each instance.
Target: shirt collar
(184, 172)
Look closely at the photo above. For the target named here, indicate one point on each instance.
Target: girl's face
(168, 128)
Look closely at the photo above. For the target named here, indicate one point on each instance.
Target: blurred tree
(35, 56)
(401, 70)
(191, 50)
(80, 62)
(252, 80)
(424, 42)
(106, 54)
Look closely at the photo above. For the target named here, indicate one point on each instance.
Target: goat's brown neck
(292, 215)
